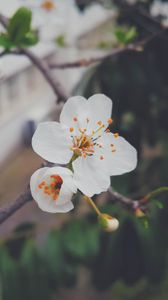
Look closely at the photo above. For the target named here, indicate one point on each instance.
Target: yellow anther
(48, 5)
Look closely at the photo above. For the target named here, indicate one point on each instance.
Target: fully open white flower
(83, 138)
(53, 188)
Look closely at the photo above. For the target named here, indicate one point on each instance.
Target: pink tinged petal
(52, 143)
(119, 156)
(100, 108)
(74, 114)
(89, 177)
(46, 202)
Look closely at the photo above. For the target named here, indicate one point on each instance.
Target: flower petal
(74, 113)
(52, 143)
(45, 201)
(100, 108)
(88, 176)
(119, 156)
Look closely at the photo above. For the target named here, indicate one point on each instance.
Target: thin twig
(10, 209)
(41, 65)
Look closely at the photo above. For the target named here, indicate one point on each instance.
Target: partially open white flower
(53, 188)
(82, 136)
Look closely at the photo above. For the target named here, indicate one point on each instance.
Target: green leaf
(120, 35)
(5, 41)
(30, 39)
(19, 24)
(124, 35)
(131, 34)
(60, 41)
(158, 203)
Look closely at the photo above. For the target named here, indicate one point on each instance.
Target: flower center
(52, 187)
(48, 5)
(84, 144)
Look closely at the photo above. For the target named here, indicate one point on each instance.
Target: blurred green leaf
(60, 41)
(5, 42)
(81, 240)
(124, 35)
(30, 39)
(19, 25)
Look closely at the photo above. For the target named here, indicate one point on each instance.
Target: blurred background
(45, 256)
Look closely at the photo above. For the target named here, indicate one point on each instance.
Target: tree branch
(136, 47)
(40, 64)
(7, 211)
(43, 67)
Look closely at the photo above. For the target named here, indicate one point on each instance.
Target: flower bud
(108, 223)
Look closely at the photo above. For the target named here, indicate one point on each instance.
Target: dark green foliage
(81, 241)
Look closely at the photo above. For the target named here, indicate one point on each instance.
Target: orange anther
(41, 184)
(116, 135)
(110, 121)
(48, 5)
(71, 129)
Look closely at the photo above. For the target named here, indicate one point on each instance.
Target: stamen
(53, 188)
(110, 121)
(71, 129)
(107, 130)
(75, 119)
(101, 157)
(116, 135)
(87, 120)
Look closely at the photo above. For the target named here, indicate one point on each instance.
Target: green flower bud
(108, 223)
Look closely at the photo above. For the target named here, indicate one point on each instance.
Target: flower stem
(90, 201)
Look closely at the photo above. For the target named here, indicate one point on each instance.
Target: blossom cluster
(86, 150)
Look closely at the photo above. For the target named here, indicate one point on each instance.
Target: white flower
(83, 138)
(53, 188)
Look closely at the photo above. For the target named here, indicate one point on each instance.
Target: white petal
(75, 107)
(100, 108)
(45, 202)
(88, 176)
(123, 159)
(52, 143)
